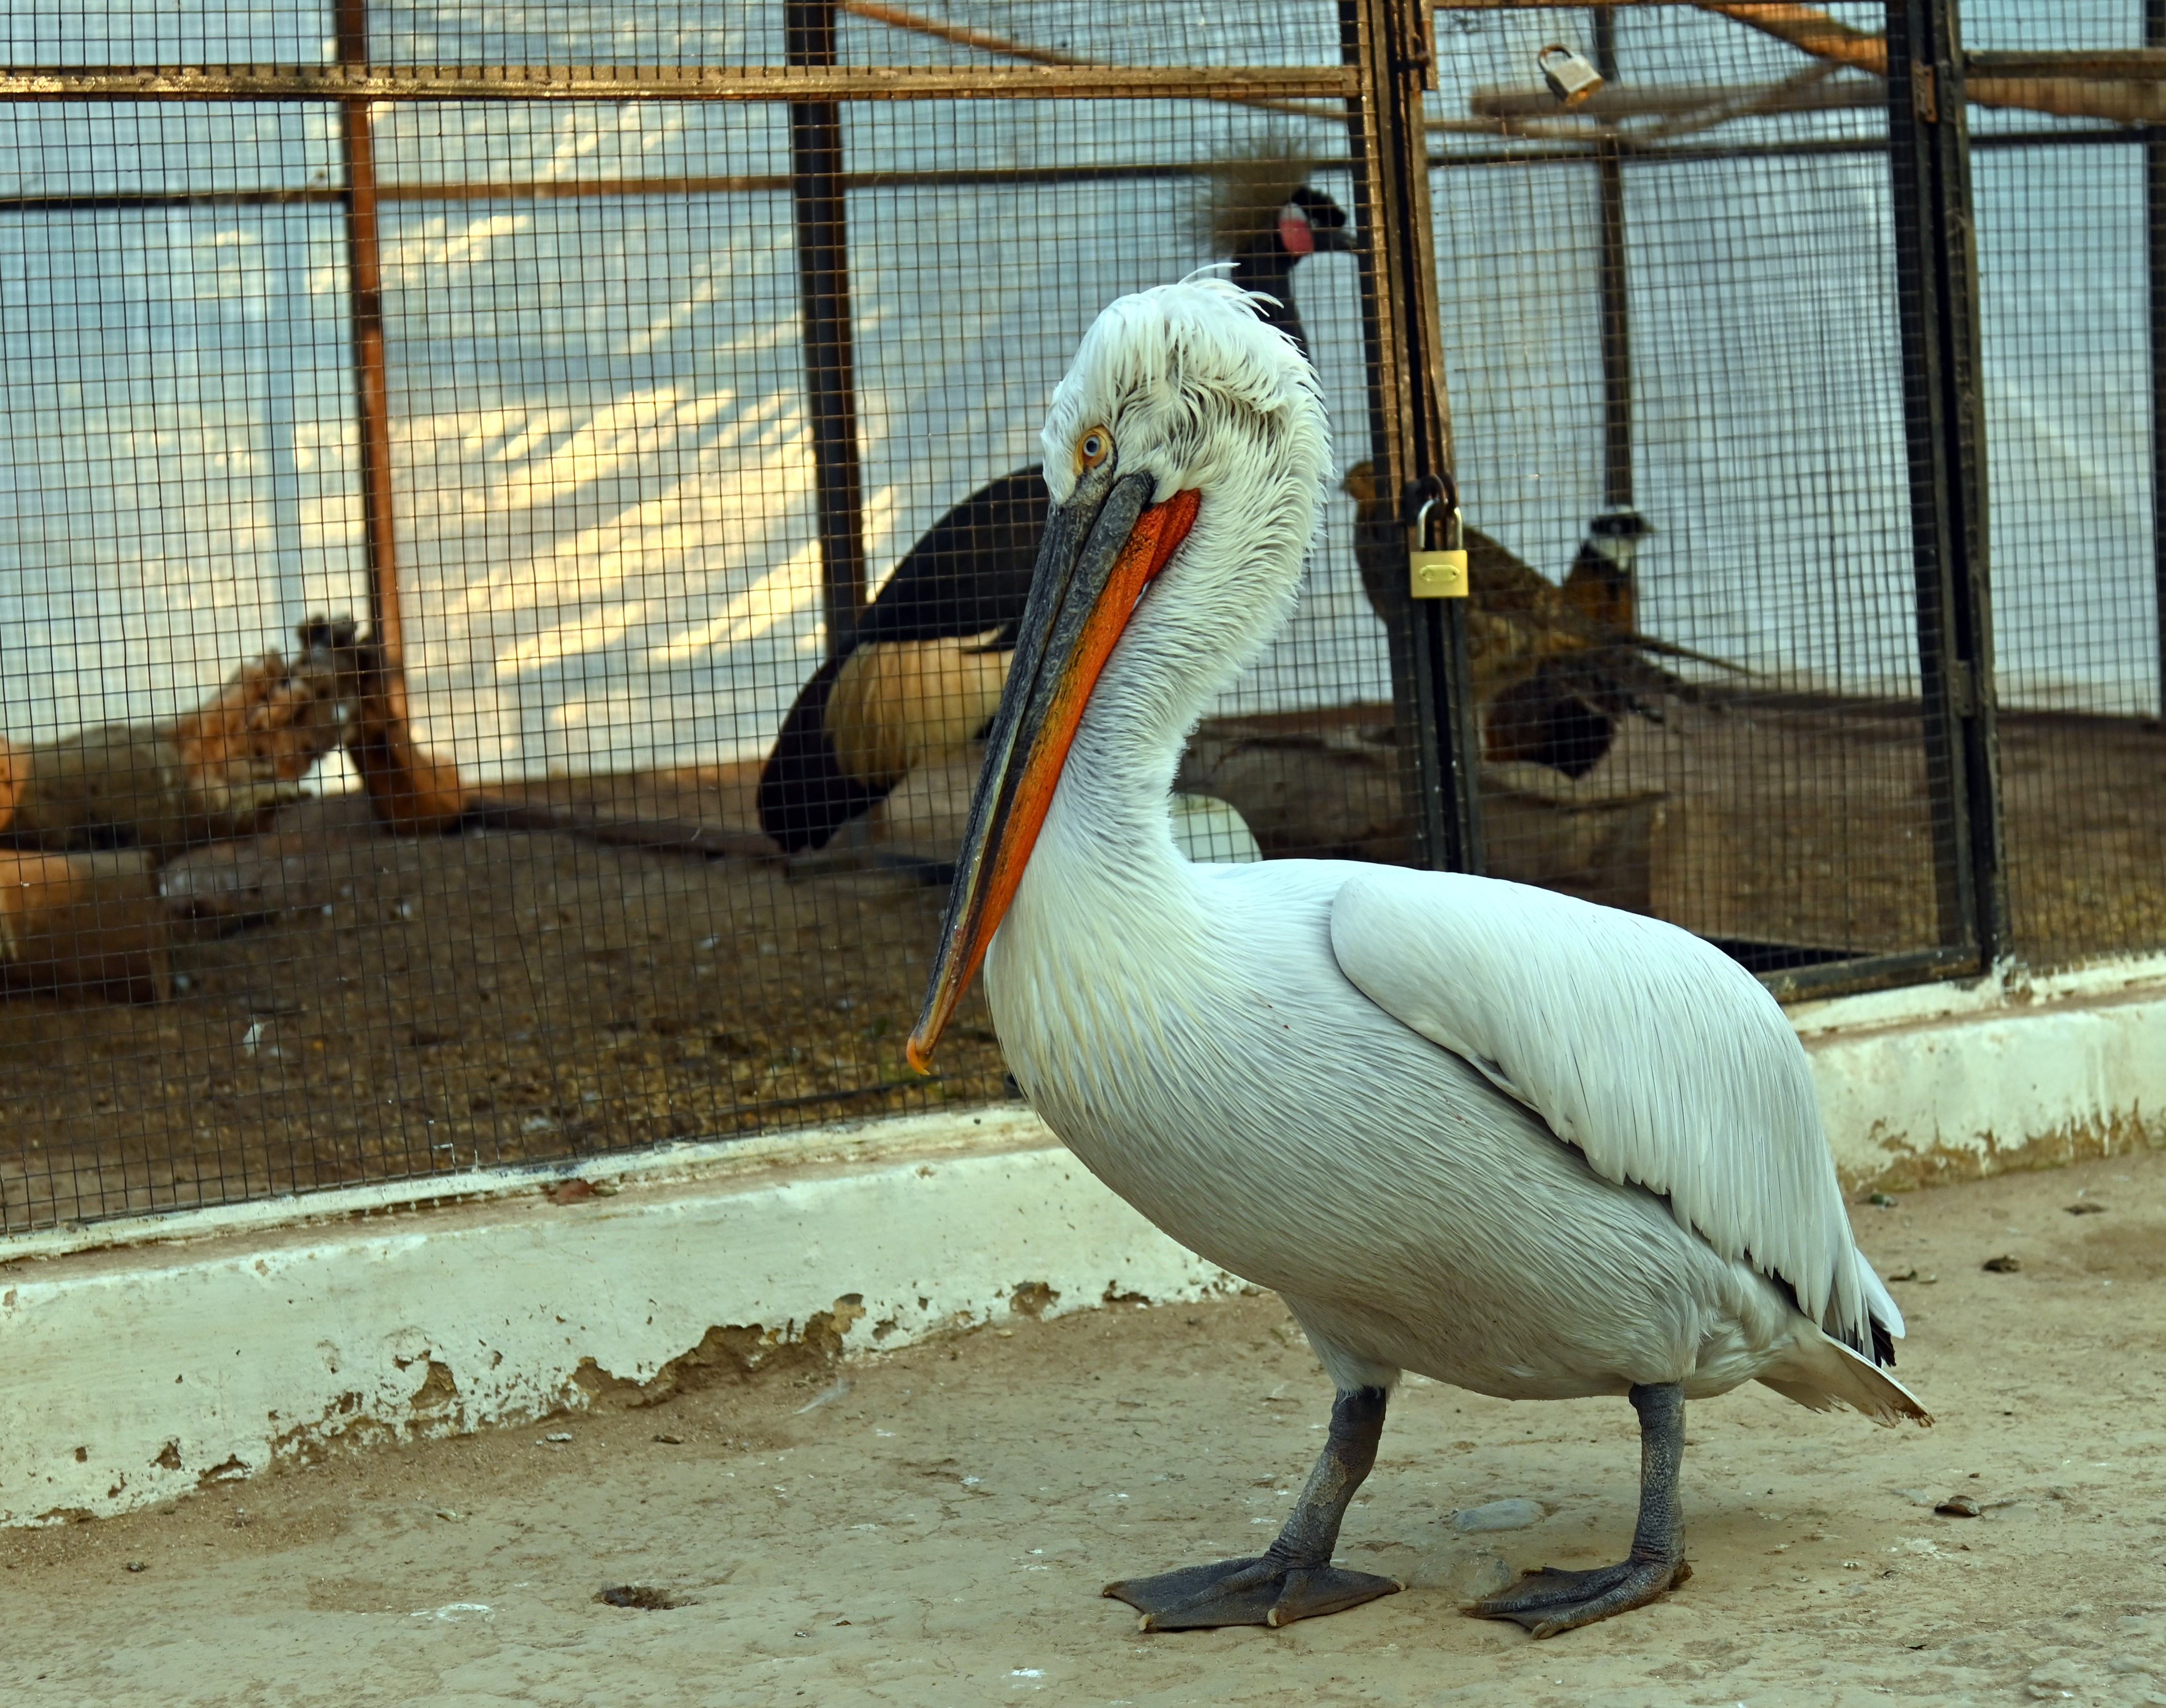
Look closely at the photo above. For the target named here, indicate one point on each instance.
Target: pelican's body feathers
(1211, 1061)
(1700, 1090)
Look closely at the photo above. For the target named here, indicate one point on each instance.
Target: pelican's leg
(1295, 1579)
(1552, 1600)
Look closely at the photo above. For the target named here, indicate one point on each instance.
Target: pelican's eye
(1093, 448)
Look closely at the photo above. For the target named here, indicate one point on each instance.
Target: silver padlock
(1435, 575)
(1565, 70)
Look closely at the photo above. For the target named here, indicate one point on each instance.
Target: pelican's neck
(1108, 828)
(1228, 590)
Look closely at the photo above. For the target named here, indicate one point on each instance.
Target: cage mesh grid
(1744, 429)
(607, 536)
(602, 460)
(2069, 249)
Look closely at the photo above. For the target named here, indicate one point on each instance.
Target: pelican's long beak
(1101, 549)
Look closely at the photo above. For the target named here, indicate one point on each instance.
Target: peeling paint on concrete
(131, 1381)
(148, 1358)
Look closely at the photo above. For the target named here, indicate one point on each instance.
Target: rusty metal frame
(1386, 64)
(372, 383)
(770, 184)
(1612, 286)
(357, 81)
(2154, 202)
(2132, 64)
(1944, 414)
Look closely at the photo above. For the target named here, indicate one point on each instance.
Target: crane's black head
(1266, 217)
(1264, 214)
(1621, 525)
(1310, 223)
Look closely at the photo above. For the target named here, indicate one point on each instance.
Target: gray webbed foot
(1259, 1591)
(1295, 1579)
(1551, 1600)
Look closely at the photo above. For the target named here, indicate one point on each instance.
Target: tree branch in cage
(77, 925)
(2135, 95)
(411, 792)
(1700, 105)
(960, 35)
(84, 926)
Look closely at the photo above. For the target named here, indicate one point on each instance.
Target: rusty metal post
(372, 390)
(823, 281)
(1616, 324)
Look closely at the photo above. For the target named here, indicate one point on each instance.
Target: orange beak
(1101, 551)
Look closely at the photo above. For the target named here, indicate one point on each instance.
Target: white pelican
(1510, 1139)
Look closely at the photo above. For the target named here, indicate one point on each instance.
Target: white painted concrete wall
(145, 1359)
(1948, 1081)
(139, 1374)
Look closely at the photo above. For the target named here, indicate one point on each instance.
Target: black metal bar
(2154, 200)
(823, 279)
(2120, 136)
(1446, 662)
(1868, 972)
(1936, 283)
(1615, 311)
(1415, 732)
(1415, 449)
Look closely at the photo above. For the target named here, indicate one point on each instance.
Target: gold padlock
(1439, 575)
(1433, 574)
(1572, 79)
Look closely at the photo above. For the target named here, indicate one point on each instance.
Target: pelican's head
(1186, 453)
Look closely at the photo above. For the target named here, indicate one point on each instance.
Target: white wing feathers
(1660, 1058)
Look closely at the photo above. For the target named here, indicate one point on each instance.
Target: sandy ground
(937, 1532)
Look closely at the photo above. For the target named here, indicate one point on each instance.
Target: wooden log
(85, 926)
(1334, 792)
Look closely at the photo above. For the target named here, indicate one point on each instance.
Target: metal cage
(621, 426)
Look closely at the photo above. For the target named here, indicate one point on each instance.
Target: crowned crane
(1508, 1139)
(924, 671)
(1556, 668)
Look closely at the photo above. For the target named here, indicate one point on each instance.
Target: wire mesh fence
(1676, 379)
(2072, 275)
(512, 528)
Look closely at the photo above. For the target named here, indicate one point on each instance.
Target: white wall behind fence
(607, 530)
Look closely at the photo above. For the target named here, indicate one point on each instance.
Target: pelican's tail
(1818, 1372)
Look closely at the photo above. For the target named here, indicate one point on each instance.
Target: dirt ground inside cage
(932, 1527)
(364, 1007)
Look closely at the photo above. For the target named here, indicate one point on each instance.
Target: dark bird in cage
(1602, 584)
(924, 671)
(1556, 668)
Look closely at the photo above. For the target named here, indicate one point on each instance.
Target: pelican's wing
(1663, 1061)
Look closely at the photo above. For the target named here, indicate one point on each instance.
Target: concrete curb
(147, 1358)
